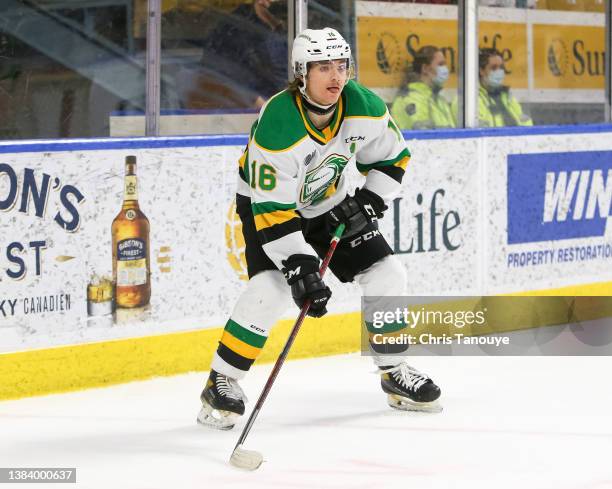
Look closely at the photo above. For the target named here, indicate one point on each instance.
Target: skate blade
(405, 404)
(216, 418)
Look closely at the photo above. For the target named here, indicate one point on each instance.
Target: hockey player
(292, 194)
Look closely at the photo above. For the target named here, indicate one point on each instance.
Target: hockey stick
(250, 459)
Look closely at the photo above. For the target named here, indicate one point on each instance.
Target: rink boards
(482, 212)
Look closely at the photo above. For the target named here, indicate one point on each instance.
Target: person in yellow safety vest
(420, 104)
(497, 107)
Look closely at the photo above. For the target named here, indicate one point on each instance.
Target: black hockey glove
(356, 212)
(302, 274)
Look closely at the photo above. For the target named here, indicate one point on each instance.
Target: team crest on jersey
(319, 179)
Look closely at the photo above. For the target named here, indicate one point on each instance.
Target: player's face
(326, 80)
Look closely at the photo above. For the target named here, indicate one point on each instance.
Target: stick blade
(246, 459)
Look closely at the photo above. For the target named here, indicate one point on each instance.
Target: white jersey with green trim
(290, 169)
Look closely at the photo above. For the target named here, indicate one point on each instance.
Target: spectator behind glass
(250, 47)
(497, 107)
(420, 104)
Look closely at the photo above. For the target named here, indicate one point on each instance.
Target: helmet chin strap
(312, 105)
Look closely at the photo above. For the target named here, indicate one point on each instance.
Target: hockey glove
(302, 274)
(356, 212)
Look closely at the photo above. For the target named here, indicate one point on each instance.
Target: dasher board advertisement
(94, 248)
(116, 243)
(550, 221)
(434, 226)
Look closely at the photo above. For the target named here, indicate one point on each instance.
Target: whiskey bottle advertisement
(131, 250)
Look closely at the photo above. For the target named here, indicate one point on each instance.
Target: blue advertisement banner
(558, 196)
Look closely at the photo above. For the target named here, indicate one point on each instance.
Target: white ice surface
(514, 422)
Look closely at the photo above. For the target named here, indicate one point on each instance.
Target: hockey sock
(239, 347)
(262, 303)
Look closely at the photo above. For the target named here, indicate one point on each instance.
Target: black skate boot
(222, 402)
(409, 390)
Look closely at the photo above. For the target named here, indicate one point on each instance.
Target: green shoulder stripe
(362, 102)
(403, 154)
(265, 207)
(280, 125)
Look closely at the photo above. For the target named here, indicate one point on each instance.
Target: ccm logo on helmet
(364, 237)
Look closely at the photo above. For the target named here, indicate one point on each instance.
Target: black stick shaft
(296, 327)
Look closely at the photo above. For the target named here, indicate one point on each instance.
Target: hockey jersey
(290, 169)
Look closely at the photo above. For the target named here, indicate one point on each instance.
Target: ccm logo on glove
(356, 212)
(292, 273)
(302, 275)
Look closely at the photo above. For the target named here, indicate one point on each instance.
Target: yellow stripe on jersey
(312, 132)
(331, 190)
(400, 161)
(365, 117)
(330, 131)
(242, 159)
(327, 133)
(403, 163)
(279, 150)
(263, 221)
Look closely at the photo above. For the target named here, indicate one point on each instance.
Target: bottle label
(131, 262)
(131, 190)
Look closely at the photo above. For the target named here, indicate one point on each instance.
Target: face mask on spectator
(441, 76)
(496, 78)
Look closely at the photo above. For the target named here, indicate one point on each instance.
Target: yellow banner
(386, 47)
(568, 56)
(510, 40)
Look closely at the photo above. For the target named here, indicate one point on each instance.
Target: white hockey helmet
(317, 45)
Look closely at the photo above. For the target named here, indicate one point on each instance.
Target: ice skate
(409, 390)
(222, 402)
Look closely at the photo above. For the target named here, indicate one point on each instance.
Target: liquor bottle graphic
(131, 257)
